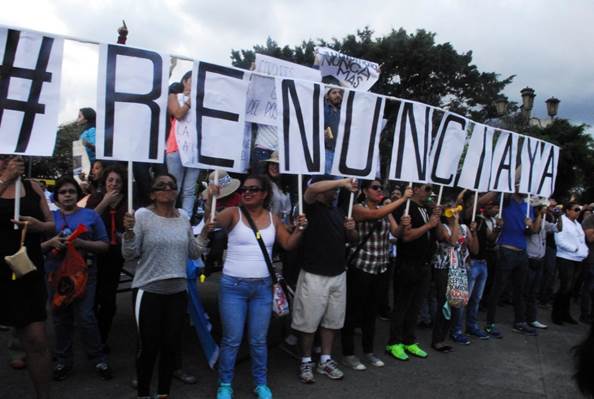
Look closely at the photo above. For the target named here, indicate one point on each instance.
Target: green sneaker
(415, 350)
(397, 352)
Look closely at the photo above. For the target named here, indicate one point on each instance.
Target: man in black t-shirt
(320, 297)
(415, 250)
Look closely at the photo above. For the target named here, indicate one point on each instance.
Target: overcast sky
(546, 44)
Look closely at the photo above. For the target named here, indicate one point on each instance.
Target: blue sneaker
(461, 339)
(493, 332)
(477, 332)
(225, 391)
(263, 392)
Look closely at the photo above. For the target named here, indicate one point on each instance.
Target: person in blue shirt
(512, 259)
(67, 192)
(86, 118)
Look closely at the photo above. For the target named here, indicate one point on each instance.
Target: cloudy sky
(545, 43)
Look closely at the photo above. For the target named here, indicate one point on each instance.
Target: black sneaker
(61, 372)
(524, 328)
(104, 371)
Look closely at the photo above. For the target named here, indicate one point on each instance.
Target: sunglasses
(575, 209)
(67, 191)
(164, 186)
(376, 187)
(249, 189)
(428, 189)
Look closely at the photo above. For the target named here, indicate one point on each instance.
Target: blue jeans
(82, 310)
(186, 181)
(242, 298)
(329, 161)
(476, 285)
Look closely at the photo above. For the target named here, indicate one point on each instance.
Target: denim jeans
(186, 181)
(82, 310)
(477, 279)
(259, 155)
(329, 160)
(241, 299)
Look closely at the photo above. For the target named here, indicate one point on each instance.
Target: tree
(414, 67)
(61, 162)
(576, 159)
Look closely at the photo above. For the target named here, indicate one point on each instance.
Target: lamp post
(552, 107)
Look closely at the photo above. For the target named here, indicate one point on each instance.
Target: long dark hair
(266, 187)
(90, 116)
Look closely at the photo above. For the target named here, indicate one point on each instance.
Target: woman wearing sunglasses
(95, 241)
(246, 285)
(160, 238)
(367, 263)
(571, 251)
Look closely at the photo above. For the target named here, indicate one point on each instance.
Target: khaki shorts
(319, 301)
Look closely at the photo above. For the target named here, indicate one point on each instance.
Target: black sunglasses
(249, 189)
(428, 189)
(164, 186)
(376, 187)
(575, 209)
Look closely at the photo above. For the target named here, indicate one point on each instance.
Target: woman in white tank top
(246, 286)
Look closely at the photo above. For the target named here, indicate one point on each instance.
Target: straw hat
(273, 158)
(227, 183)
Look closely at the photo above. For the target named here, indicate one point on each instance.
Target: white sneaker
(374, 360)
(538, 324)
(354, 363)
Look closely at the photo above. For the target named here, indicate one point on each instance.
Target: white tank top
(244, 257)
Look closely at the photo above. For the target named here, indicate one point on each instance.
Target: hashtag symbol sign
(37, 76)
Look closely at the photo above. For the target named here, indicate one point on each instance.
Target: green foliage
(576, 159)
(414, 67)
(61, 162)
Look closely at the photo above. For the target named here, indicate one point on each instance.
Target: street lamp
(552, 106)
(501, 106)
(527, 98)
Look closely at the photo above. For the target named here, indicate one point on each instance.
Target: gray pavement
(514, 367)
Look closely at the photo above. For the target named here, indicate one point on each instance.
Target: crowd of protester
(440, 263)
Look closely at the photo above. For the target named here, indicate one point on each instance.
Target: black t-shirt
(422, 248)
(324, 240)
(481, 233)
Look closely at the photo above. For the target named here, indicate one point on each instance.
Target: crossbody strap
(260, 243)
(362, 243)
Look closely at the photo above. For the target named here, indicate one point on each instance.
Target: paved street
(515, 367)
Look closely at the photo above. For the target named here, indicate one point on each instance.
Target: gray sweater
(162, 247)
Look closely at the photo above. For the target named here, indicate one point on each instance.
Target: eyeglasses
(165, 186)
(575, 209)
(376, 187)
(249, 189)
(67, 191)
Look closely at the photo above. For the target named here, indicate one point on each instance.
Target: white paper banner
(529, 158)
(219, 105)
(503, 167)
(30, 76)
(447, 149)
(185, 136)
(350, 71)
(412, 138)
(357, 146)
(476, 169)
(300, 126)
(80, 159)
(547, 169)
(261, 106)
(131, 104)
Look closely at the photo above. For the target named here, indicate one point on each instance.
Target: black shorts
(23, 301)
